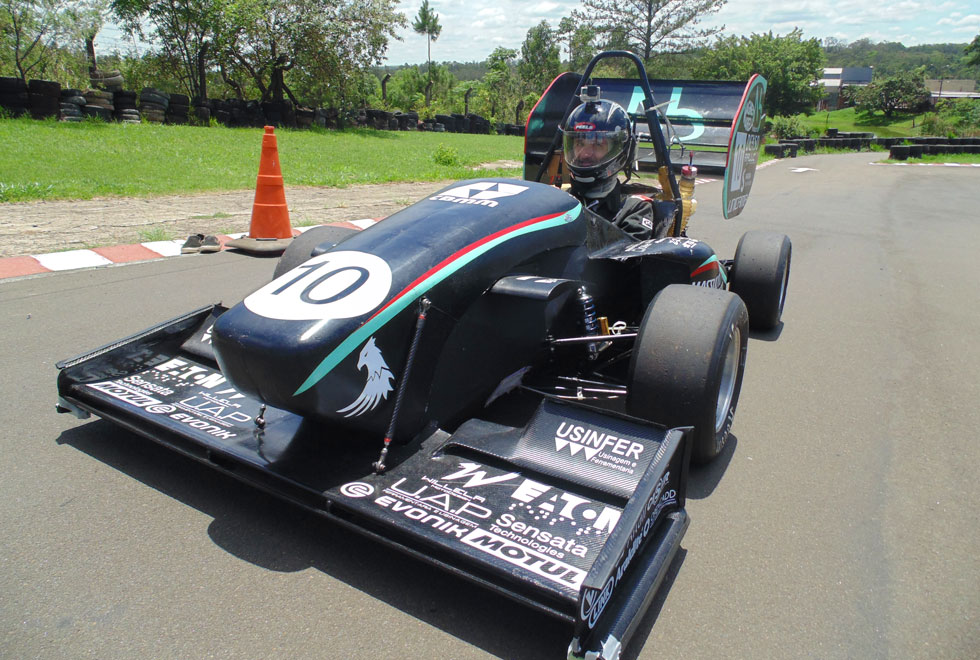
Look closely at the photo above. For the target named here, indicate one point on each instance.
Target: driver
(598, 144)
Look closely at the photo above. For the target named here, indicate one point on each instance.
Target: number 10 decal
(334, 285)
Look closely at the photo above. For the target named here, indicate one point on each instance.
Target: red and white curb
(121, 254)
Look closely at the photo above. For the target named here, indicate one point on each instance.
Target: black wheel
(687, 364)
(760, 276)
(302, 247)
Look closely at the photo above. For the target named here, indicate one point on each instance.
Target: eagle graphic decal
(378, 383)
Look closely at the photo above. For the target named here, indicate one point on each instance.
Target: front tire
(301, 248)
(687, 364)
(760, 276)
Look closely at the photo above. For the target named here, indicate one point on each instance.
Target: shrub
(788, 127)
(446, 156)
(935, 125)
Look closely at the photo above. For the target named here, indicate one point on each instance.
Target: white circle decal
(357, 489)
(333, 285)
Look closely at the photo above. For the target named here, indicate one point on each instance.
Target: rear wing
(703, 120)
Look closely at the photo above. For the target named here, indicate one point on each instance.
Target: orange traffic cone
(269, 230)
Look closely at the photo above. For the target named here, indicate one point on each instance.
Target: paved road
(841, 523)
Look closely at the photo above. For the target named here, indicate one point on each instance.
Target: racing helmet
(597, 143)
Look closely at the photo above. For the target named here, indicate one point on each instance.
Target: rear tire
(687, 364)
(301, 248)
(760, 276)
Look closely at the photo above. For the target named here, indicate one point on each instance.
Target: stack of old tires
(108, 81)
(448, 122)
(479, 124)
(202, 109)
(13, 96)
(407, 121)
(125, 107)
(72, 102)
(178, 106)
(153, 105)
(304, 117)
(44, 98)
(327, 117)
(98, 104)
(279, 114)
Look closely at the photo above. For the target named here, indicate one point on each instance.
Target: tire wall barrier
(110, 102)
(900, 148)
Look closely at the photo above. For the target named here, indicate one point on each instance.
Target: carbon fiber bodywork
(573, 511)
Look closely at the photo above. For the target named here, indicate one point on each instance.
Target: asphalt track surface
(843, 521)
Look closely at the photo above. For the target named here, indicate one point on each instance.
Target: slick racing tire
(303, 246)
(760, 276)
(687, 364)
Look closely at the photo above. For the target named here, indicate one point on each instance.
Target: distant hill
(891, 58)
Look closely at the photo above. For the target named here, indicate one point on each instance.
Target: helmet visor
(585, 147)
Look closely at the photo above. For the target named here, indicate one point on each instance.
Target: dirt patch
(39, 227)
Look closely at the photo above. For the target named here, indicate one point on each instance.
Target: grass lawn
(61, 160)
(849, 121)
(941, 158)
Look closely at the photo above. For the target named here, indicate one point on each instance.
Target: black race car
(493, 380)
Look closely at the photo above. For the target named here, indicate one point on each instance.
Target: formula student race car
(493, 380)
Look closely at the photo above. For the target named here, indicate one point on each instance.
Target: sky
(472, 29)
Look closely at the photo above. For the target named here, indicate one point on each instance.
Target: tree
(498, 92)
(406, 89)
(540, 59)
(972, 51)
(323, 43)
(648, 26)
(905, 92)
(427, 23)
(790, 64)
(185, 30)
(34, 30)
(579, 38)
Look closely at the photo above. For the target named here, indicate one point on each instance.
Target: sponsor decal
(444, 510)
(182, 373)
(378, 383)
(645, 246)
(218, 407)
(125, 393)
(545, 504)
(357, 489)
(718, 281)
(673, 110)
(584, 126)
(425, 282)
(743, 148)
(333, 285)
(207, 409)
(541, 540)
(598, 447)
(525, 557)
(594, 600)
(481, 194)
(203, 426)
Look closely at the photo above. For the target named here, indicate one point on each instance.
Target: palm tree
(427, 23)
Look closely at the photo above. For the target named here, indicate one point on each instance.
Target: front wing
(575, 512)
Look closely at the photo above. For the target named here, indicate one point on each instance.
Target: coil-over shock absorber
(590, 322)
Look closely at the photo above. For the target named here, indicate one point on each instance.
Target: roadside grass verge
(849, 120)
(60, 160)
(941, 158)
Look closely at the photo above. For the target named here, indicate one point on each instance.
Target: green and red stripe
(426, 282)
